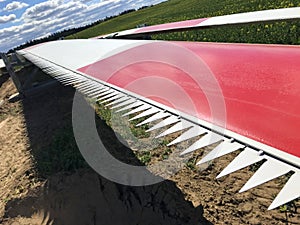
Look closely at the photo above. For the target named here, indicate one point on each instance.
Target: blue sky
(23, 20)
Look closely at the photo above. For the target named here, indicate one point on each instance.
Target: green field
(177, 10)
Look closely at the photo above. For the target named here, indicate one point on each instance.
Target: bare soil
(81, 196)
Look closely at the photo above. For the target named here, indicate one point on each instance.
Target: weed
(164, 142)
(166, 153)
(144, 157)
(140, 131)
(191, 164)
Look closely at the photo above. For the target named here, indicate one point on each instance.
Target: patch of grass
(166, 153)
(104, 113)
(62, 155)
(191, 164)
(140, 131)
(144, 156)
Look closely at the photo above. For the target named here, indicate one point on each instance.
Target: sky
(23, 20)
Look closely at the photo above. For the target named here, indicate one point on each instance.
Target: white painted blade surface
(131, 101)
(99, 91)
(133, 105)
(146, 113)
(245, 158)
(116, 97)
(270, 170)
(155, 117)
(91, 91)
(289, 192)
(122, 99)
(108, 92)
(177, 127)
(138, 109)
(223, 148)
(208, 139)
(114, 93)
(193, 132)
(168, 121)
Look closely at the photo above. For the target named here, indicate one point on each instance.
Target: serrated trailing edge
(138, 109)
(121, 100)
(148, 112)
(246, 158)
(171, 121)
(225, 147)
(182, 125)
(115, 97)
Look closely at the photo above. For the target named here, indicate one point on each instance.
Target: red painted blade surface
(260, 84)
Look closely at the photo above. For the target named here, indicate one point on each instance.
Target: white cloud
(6, 19)
(82, 0)
(2, 0)
(41, 10)
(15, 5)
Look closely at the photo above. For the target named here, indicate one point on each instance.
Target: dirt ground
(81, 196)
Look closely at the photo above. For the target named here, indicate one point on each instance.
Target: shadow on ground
(3, 79)
(75, 194)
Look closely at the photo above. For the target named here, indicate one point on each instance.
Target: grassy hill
(176, 10)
